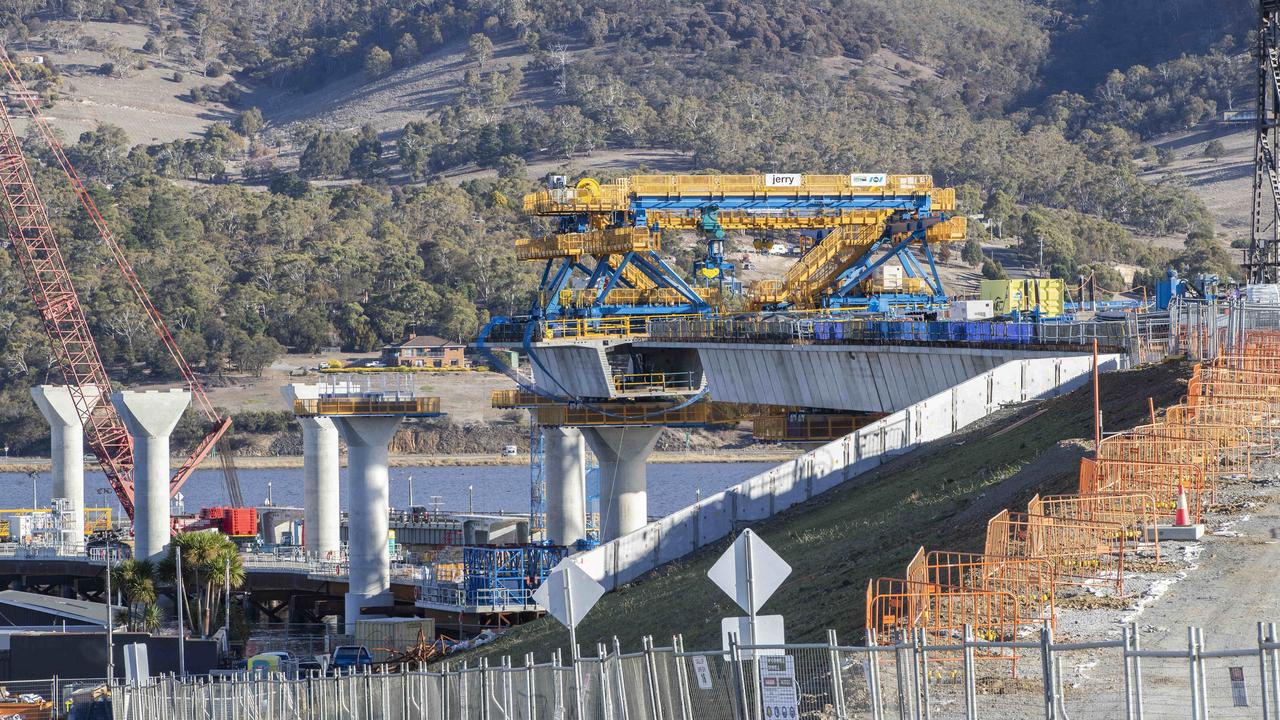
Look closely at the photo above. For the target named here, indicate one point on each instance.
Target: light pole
(182, 631)
(471, 498)
(35, 504)
(111, 644)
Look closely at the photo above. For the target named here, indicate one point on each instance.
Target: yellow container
(1025, 295)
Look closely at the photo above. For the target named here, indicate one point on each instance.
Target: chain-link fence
(1031, 678)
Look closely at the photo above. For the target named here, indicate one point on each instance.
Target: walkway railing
(961, 677)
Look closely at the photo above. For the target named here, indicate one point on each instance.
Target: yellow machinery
(95, 519)
(1044, 296)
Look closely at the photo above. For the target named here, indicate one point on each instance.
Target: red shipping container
(240, 522)
(216, 513)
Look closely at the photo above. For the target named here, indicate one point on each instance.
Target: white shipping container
(961, 310)
(887, 277)
(1268, 294)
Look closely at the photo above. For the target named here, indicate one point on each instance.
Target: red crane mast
(26, 220)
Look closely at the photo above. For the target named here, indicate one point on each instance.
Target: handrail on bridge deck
(366, 406)
(1111, 336)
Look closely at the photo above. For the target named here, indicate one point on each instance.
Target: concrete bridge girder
(844, 377)
(862, 378)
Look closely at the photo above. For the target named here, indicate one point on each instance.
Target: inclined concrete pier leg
(321, 515)
(150, 417)
(564, 464)
(622, 452)
(66, 452)
(369, 560)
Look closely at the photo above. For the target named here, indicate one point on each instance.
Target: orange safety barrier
(1160, 480)
(1134, 511)
(1258, 420)
(1029, 580)
(1228, 445)
(896, 608)
(1158, 449)
(1080, 550)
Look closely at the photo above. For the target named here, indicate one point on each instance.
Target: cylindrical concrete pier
(623, 453)
(320, 478)
(150, 417)
(369, 558)
(564, 466)
(66, 453)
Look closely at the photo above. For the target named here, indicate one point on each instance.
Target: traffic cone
(1181, 518)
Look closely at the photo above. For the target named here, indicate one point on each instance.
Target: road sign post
(567, 595)
(750, 572)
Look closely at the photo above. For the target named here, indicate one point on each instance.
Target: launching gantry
(603, 259)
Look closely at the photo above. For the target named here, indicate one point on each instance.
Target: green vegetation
(209, 560)
(135, 580)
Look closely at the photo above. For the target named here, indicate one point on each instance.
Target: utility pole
(226, 610)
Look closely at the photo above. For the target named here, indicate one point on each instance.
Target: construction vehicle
(603, 259)
(26, 220)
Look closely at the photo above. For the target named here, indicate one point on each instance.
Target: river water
(495, 488)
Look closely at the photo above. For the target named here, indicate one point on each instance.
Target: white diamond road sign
(767, 571)
(583, 593)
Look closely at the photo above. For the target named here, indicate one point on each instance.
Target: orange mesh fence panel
(1257, 419)
(897, 607)
(1161, 450)
(1160, 480)
(1081, 551)
(1029, 580)
(1227, 447)
(1088, 476)
(1134, 512)
(1268, 362)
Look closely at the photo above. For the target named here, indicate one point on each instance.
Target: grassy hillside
(940, 496)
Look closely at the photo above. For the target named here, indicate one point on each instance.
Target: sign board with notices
(868, 179)
(782, 180)
(702, 671)
(778, 696)
(1239, 695)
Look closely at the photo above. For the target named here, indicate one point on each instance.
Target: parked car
(510, 451)
(270, 662)
(351, 656)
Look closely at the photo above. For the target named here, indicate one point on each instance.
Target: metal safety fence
(918, 676)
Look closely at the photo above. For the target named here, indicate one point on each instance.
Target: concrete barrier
(717, 516)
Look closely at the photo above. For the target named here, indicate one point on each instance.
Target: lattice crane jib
(29, 231)
(1262, 257)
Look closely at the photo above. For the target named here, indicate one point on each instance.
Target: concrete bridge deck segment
(865, 378)
(878, 378)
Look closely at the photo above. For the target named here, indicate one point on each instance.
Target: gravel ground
(1223, 584)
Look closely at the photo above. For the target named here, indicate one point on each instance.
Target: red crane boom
(26, 219)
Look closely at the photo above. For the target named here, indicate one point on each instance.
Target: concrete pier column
(624, 500)
(369, 560)
(150, 417)
(321, 517)
(66, 451)
(564, 467)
